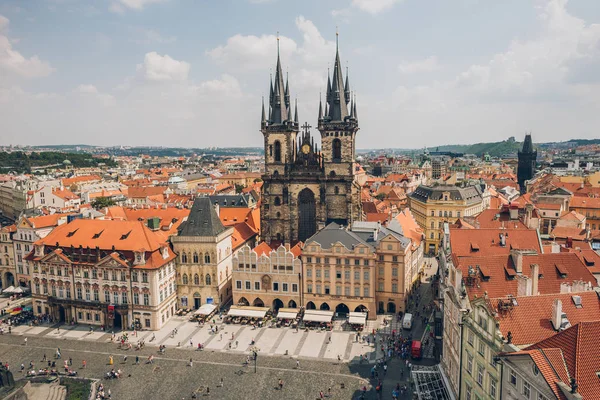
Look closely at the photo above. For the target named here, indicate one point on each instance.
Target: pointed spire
(352, 108)
(320, 107)
(296, 112)
(354, 113)
(263, 117)
(287, 89)
(338, 104)
(279, 111)
(347, 88)
(527, 144)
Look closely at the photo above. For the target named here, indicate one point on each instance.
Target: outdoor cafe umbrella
(18, 290)
(9, 289)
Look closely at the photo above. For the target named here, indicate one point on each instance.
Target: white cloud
(120, 6)
(426, 65)
(163, 68)
(149, 36)
(226, 86)
(86, 89)
(251, 52)
(374, 6)
(15, 63)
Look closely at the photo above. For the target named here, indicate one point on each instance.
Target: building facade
(115, 274)
(527, 160)
(432, 206)
(204, 248)
(7, 257)
(304, 187)
(267, 277)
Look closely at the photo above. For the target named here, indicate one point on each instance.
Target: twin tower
(306, 188)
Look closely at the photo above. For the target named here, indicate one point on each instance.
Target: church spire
(279, 111)
(320, 107)
(347, 88)
(263, 118)
(336, 97)
(354, 113)
(296, 112)
(527, 144)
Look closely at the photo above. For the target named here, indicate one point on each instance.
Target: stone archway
(277, 304)
(342, 310)
(243, 301)
(324, 307)
(311, 306)
(8, 280)
(292, 304)
(361, 308)
(258, 302)
(391, 308)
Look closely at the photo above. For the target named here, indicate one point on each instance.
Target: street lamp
(254, 350)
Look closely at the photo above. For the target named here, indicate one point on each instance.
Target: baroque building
(306, 188)
(526, 169)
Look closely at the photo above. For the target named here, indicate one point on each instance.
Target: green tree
(239, 188)
(102, 202)
(380, 196)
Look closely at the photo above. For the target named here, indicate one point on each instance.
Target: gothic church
(305, 187)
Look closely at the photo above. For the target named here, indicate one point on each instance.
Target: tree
(102, 202)
(239, 188)
(380, 196)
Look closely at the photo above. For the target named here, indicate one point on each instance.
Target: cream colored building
(434, 205)
(7, 257)
(267, 277)
(204, 246)
(103, 272)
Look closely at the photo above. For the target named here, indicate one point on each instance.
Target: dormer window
(39, 250)
(139, 258)
(165, 252)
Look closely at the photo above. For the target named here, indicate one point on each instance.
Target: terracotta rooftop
(491, 218)
(530, 320)
(581, 354)
(585, 202)
(80, 179)
(488, 241)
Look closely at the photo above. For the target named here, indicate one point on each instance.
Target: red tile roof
(80, 179)
(489, 241)
(581, 354)
(498, 219)
(531, 319)
(585, 202)
(145, 191)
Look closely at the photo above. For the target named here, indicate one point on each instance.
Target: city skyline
(118, 73)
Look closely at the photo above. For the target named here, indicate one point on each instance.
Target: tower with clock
(305, 188)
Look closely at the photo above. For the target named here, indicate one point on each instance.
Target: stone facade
(7, 257)
(306, 188)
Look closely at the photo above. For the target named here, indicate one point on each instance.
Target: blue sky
(192, 72)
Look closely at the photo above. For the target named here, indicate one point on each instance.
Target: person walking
(280, 384)
(191, 363)
(44, 359)
(297, 364)
(83, 364)
(221, 383)
(137, 360)
(25, 341)
(110, 360)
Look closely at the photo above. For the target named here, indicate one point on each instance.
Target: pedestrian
(22, 367)
(207, 391)
(221, 336)
(110, 360)
(191, 343)
(297, 364)
(124, 359)
(83, 364)
(280, 384)
(44, 359)
(221, 383)
(137, 360)
(191, 363)
(70, 361)
(25, 341)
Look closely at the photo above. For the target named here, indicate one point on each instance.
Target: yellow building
(434, 205)
(267, 276)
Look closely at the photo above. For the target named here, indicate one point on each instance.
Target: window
(107, 296)
(381, 257)
(336, 152)
(492, 387)
(79, 294)
(380, 286)
(196, 279)
(123, 277)
(207, 279)
(88, 295)
(356, 291)
(480, 375)
(381, 272)
(366, 292)
(347, 291)
(395, 271)
(481, 348)
(309, 288)
(284, 287)
(347, 274)
(184, 279)
(394, 288)
(146, 299)
(94, 273)
(469, 394)
(144, 277)
(183, 258)
(357, 275)
(541, 397)
(207, 258)
(326, 272)
(124, 297)
(147, 322)
(356, 261)
(470, 364)
(247, 285)
(136, 299)
(470, 337)
(513, 378)
(318, 289)
(116, 297)
(309, 273)
(526, 389)
(318, 273)
(276, 286)
(366, 262)
(394, 258)
(277, 156)
(295, 287)
(327, 289)
(366, 276)
(338, 274)
(338, 290)
(238, 285)
(257, 285)
(105, 275)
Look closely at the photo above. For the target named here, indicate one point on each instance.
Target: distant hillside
(21, 162)
(494, 149)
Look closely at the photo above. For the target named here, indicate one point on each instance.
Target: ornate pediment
(113, 261)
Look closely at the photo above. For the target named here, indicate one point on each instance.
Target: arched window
(332, 174)
(183, 258)
(271, 150)
(336, 190)
(207, 258)
(277, 201)
(207, 279)
(445, 213)
(184, 279)
(196, 279)
(195, 258)
(432, 224)
(277, 151)
(431, 235)
(279, 236)
(336, 150)
(278, 215)
(450, 214)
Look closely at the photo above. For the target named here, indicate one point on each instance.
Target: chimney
(458, 279)
(513, 212)
(523, 286)
(556, 314)
(502, 238)
(517, 258)
(535, 273)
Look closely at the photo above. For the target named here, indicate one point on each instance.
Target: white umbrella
(18, 290)
(9, 289)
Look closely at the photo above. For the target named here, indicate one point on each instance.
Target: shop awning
(205, 309)
(359, 318)
(287, 313)
(317, 316)
(247, 311)
(9, 289)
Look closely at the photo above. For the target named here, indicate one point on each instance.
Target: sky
(191, 73)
